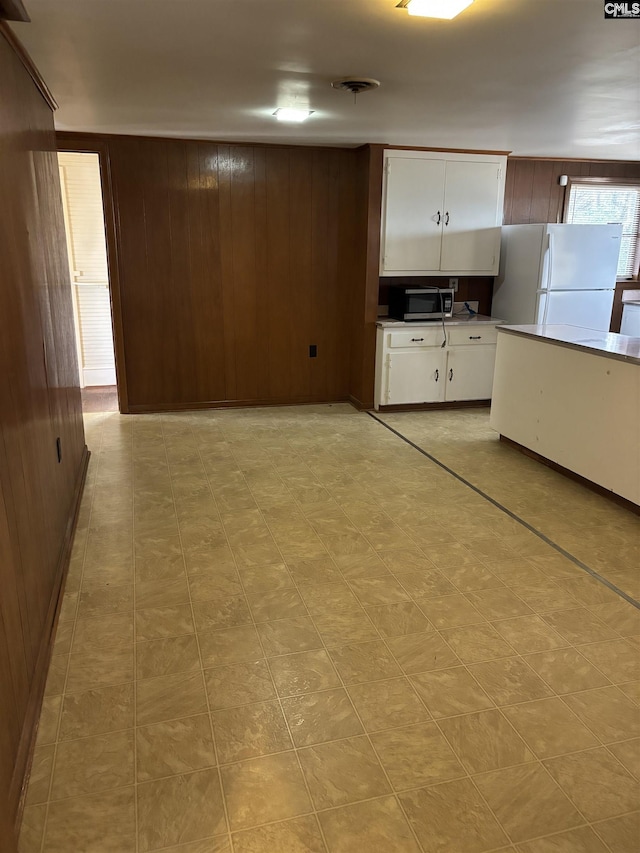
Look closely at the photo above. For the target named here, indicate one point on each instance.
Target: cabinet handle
(416, 340)
(437, 375)
(450, 374)
(446, 222)
(439, 218)
(475, 337)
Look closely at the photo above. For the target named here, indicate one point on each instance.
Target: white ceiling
(536, 77)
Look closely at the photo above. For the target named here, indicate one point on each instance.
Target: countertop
(385, 322)
(608, 344)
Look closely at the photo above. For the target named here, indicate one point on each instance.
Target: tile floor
(286, 631)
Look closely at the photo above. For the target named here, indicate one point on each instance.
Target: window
(593, 201)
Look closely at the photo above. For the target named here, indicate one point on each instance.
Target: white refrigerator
(557, 274)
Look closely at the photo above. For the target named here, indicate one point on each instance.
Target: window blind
(590, 204)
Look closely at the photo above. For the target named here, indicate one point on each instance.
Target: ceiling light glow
(446, 9)
(292, 114)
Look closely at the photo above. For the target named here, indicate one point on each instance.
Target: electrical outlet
(453, 284)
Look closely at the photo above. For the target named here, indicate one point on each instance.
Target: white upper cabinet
(441, 213)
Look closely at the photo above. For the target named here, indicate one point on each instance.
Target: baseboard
(27, 743)
(358, 404)
(419, 407)
(151, 408)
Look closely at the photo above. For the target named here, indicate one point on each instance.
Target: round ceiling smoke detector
(356, 85)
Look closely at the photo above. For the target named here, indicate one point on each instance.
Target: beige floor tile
(162, 593)
(588, 590)
(99, 823)
(263, 790)
(581, 840)
(485, 741)
(276, 604)
(92, 712)
(509, 680)
(596, 782)
(93, 764)
(318, 717)
(546, 597)
(32, 828)
(209, 587)
(63, 638)
(249, 731)
(374, 825)
(450, 611)
(474, 829)
(115, 632)
(357, 566)
(620, 833)
(498, 603)
(378, 590)
(579, 625)
(239, 684)
(448, 692)
(416, 755)
(156, 623)
(338, 628)
(300, 835)
(287, 636)
(57, 675)
(325, 599)
(387, 704)
(173, 747)
(167, 656)
(619, 615)
(429, 584)
(406, 560)
(527, 802)
(229, 645)
(362, 662)
(221, 613)
(566, 670)
(617, 659)
(473, 577)
(474, 643)
(105, 602)
(169, 698)
(628, 754)
(318, 570)
(422, 652)
(343, 772)
(100, 668)
(40, 775)
(449, 554)
(393, 620)
(179, 809)
(263, 578)
(529, 634)
(610, 714)
(549, 727)
(632, 690)
(305, 672)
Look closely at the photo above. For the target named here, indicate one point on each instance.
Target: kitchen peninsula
(572, 396)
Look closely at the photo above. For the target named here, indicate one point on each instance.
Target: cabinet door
(470, 372)
(415, 377)
(413, 214)
(471, 228)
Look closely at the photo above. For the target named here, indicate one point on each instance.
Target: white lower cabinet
(413, 366)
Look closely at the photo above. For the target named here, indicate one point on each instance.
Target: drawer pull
(450, 374)
(416, 340)
(475, 337)
(437, 375)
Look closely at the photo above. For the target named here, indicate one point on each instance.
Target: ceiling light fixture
(446, 9)
(292, 114)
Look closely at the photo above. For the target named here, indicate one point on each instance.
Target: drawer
(420, 337)
(467, 335)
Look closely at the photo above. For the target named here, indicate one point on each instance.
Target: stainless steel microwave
(420, 303)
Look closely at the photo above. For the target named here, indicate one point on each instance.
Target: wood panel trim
(445, 150)
(89, 144)
(151, 408)
(20, 779)
(13, 10)
(67, 137)
(20, 51)
(568, 159)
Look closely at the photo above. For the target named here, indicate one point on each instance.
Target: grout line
(511, 514)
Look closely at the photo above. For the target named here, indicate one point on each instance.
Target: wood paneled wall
(39, 403)
(232, 260)
(532, 191)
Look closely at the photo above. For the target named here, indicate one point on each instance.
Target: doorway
(82, 203)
